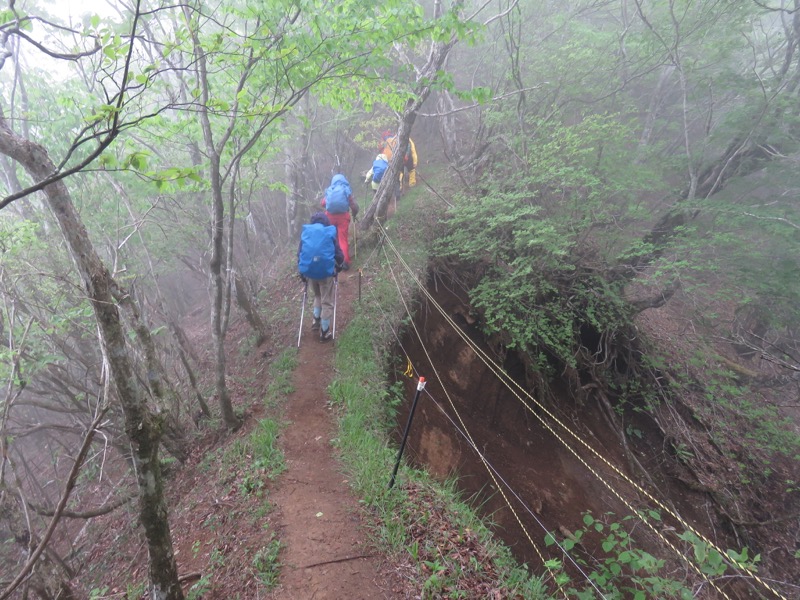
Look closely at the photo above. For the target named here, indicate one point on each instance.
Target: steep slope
(551, 483)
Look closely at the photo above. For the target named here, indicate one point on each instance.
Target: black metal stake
(420, 387)
(359, 285)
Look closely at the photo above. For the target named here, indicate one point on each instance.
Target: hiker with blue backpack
(319, 259)
(375, 174)
(339, 202)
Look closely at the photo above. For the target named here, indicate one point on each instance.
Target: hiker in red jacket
(338, 202)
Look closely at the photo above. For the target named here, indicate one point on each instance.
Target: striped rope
(508, 381)
(469, 436)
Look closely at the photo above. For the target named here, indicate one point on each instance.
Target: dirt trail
(325, 553)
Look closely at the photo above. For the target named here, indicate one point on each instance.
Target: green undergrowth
(256, 459)
(241, 472)
(259, 450)
(367, 412)
(281, 378)
(420, 520)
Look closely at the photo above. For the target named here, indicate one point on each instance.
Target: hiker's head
(338, 178)
(386, 135)
(321, 218)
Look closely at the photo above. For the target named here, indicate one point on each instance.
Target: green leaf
(552, 564)
(7, 16)
(108, 160)
(700, 553)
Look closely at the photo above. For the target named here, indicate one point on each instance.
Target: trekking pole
(302, 311)
(420, 387)
(335, 298)
(355, 238)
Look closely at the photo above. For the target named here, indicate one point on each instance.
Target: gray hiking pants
(323, 296)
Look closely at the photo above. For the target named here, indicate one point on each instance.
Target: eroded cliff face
(546, 479)
(546, 475)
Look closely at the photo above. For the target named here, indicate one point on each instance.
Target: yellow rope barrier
(466, 431)
(507, 380)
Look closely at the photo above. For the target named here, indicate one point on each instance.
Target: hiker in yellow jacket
(388, 148)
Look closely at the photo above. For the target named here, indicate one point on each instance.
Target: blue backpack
(317, 248)
(337, 194)
(378, 169)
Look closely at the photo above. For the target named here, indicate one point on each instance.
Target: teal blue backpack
(379, 167)
(317, 249)
(337, 194)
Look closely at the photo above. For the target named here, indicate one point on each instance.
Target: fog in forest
(607, 204)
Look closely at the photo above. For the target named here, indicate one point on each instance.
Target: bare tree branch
(112, 132)
(59, 509)
(46, 511)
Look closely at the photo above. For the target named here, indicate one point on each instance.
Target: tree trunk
(218, 280)
(447, 127)
(292, 170)
(142, 428)
(22, 207)
(184, 351)
(426, 79)
(656, 102)
(174, 442)
(218, 284)
(243, 297)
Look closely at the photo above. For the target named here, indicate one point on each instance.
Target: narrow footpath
(325, 554)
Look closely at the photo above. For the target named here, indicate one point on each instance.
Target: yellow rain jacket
(409, 160)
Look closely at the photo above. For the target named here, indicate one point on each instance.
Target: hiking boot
(315, 324)
(325, 335)
(345, 266)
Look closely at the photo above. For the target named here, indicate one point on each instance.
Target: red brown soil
(326, 555)
(553, 488)
(547, 479)
(218, 526)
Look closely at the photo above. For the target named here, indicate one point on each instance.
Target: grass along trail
(325, 552)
